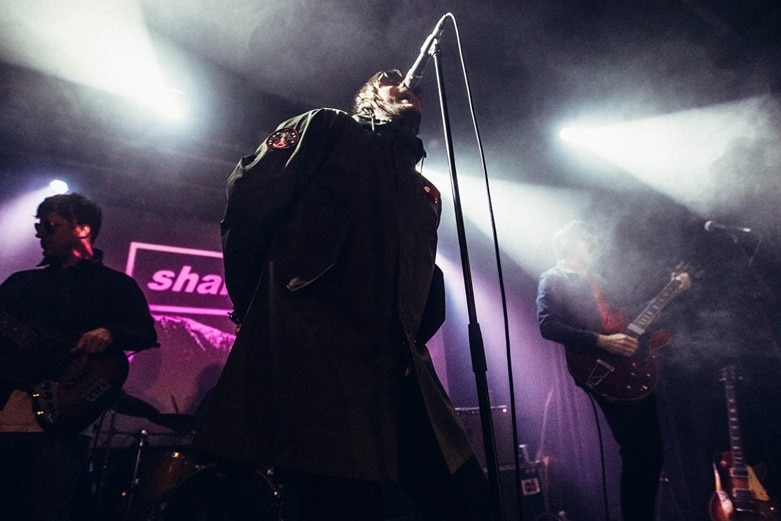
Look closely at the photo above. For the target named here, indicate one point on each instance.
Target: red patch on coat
(283, 138)
(433, 194)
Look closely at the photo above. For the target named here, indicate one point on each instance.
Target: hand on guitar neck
(623, 366)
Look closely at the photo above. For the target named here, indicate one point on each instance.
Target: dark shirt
(567, 310)
(63, 303)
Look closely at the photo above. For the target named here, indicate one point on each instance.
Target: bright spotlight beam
(677, 154)
(104, 45)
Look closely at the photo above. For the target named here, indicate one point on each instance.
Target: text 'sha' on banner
(180, 281)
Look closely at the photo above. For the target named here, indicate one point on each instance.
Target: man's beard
(406, 115)
(53, 258)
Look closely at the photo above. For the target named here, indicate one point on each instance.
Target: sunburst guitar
(68, 391)
(739, 494)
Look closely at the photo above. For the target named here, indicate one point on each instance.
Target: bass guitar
(739, 495)
(627, 378)
(69, 391)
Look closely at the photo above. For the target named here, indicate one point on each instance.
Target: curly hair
(367, 99)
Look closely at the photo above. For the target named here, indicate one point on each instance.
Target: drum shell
(211, 494)
(162, 469)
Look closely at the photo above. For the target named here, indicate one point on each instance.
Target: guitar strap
(605, 311)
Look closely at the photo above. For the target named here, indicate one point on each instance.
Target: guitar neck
(735, 438)
(15, 332)
(26, 354)
(651, 312)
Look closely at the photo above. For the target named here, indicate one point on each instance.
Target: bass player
(76, 309)
(572, 309)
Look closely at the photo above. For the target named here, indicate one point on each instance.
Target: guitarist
(573, 310)
(97, 309)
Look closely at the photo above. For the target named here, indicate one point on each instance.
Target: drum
(212, 495)
(119, 490)
(162, 469)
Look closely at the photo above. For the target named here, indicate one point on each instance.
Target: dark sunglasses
(46, 226)
(389, 78)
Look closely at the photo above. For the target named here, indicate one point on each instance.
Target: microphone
(712, 226)
(415, 73)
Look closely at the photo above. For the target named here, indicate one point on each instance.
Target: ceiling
(242, 66)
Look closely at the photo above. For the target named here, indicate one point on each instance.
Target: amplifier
(503, 433)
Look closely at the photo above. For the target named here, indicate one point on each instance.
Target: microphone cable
(497, 255)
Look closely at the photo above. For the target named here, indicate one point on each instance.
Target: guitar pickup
(599, 372)
(97, 390)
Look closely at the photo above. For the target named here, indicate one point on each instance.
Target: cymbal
(177, 422)
(132, 406)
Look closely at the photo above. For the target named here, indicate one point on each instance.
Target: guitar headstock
(692, 268)
(729, 375)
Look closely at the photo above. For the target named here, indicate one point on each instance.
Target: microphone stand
(477, 349)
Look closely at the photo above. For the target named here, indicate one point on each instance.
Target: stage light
(168, 104)
(685, 155)
(526, 215)
(601, 140)
(569, 134)
(104, 45)
(58, 186)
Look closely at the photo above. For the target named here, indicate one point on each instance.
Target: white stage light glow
(526, 215)
(104, 45)
(58, 186)
(679, 154)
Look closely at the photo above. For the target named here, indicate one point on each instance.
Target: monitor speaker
(503, 433)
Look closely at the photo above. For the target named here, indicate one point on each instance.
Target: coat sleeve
(261, 191)
(556, 318)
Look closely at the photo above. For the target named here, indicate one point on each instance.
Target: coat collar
(388, 128)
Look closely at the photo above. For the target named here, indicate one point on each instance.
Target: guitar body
(619, 378)
(739, 494)
(86, 388)
(69, 391)
(622, 378)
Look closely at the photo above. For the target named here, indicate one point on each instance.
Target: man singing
(329, 240)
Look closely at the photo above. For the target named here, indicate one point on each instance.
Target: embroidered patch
(283, 138)
(433, 194)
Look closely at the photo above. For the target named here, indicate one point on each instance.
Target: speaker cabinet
(503, 433)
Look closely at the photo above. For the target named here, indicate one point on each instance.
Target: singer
(329, 241)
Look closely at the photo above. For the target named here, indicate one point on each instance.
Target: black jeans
(39, 474)
(635, 427)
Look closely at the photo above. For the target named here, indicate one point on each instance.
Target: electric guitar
(69, 391)
(622, 378)
(739, 495)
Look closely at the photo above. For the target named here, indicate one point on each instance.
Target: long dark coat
(329, 239)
